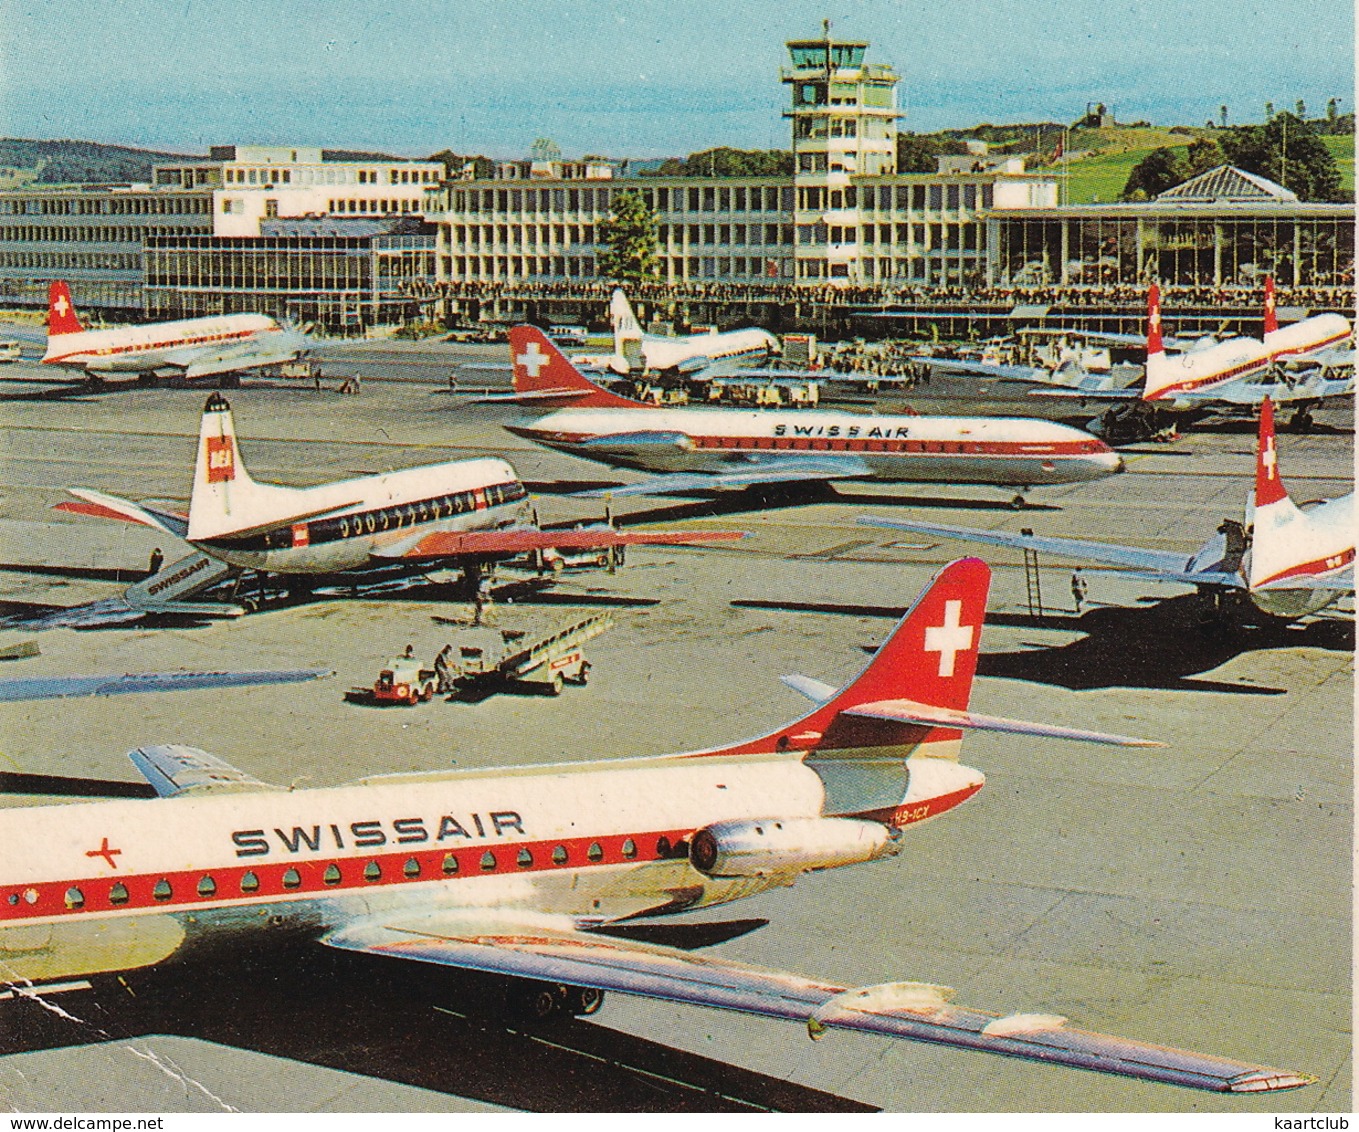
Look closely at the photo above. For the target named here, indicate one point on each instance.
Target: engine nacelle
(761, 847)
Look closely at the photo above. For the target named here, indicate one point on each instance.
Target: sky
(640, 78)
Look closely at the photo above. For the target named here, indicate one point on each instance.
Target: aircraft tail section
(544, 375)
(1271, 311)
(61, 312)
(225, 499)
(626, 328)
(1155, 344)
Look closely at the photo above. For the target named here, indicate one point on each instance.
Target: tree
(1301, 110)
(918, 153)
(1204, 154)
(1332, 112)
(1286, 150)
(628, 239)
(1269, 111)
(545, 149)
(454, 164)
(724, 161)
(1161, 169)
(1223, 111)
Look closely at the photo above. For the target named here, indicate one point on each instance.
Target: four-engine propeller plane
(700, 449)
(462, 514)
(1285, 561)
(1229, 377)
(194, 347)
(512, 871)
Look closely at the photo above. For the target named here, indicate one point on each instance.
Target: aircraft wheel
(1301, 422)
(1018, 503)
(535, 1002)
(583, 1001)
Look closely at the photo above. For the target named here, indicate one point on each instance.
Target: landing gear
(531, 1002)
(1018, 503)
(1301, 422)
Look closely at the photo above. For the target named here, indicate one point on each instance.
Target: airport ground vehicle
(403, 681)
(545, 662)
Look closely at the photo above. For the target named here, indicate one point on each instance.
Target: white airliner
(194, 347)
(689, 449)
(632, 349)
(461, 513)
(1312, 339)
(1283, 560)
(1230, 377)
(509, 871)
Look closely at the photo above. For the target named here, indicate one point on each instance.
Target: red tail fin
(1269, 486)
(930, 659)
(1154, 344)
(61, 315)
(544, 375)
(1271, 315)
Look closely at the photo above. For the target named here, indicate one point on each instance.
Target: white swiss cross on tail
(950, 638)
(533, 360)
(61, 306)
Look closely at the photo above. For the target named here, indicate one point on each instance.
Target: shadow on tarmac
(1164, 645)
(408, 1023)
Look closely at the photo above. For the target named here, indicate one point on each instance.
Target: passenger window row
(372, 872)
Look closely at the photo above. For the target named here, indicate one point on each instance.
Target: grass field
(1342, 149)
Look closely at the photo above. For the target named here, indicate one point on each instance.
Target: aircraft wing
(1312, 387)
(514, 541)
(986, 369)
(173, 769)
(775, 471)
(551, 949)
(1162, 565)
(68, 687)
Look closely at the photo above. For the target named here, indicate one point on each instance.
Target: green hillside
(1342, 149)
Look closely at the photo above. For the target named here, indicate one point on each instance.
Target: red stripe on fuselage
(861, 445)
(1317, 568)
(909, 814)
(1242, 370)
(50, 896)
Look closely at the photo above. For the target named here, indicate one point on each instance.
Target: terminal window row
(106, 261)
(103, 206)
(695, 198)
(83, 234)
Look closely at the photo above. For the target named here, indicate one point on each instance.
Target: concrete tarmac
(1197, 896)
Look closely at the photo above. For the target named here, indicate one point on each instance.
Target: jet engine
(753, 848)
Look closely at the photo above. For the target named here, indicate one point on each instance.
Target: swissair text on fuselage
(370, 834)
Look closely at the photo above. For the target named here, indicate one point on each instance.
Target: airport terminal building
(284, 231)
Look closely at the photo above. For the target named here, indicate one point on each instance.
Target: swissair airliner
(194, 347)
(694, 449)
(1230, 377)
(1283, 560)
(512, 871)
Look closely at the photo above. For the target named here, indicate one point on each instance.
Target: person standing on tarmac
(1078, 589)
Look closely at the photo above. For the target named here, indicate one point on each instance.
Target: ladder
(1033, 580)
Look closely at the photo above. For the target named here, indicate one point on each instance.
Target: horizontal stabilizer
(908, 711)
(551, 949)
(173, 769)
(101, 506)
(815, 690)
(531, 397)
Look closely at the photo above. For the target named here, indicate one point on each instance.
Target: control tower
(844, 114)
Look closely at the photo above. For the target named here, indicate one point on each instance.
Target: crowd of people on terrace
(1000, 298)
